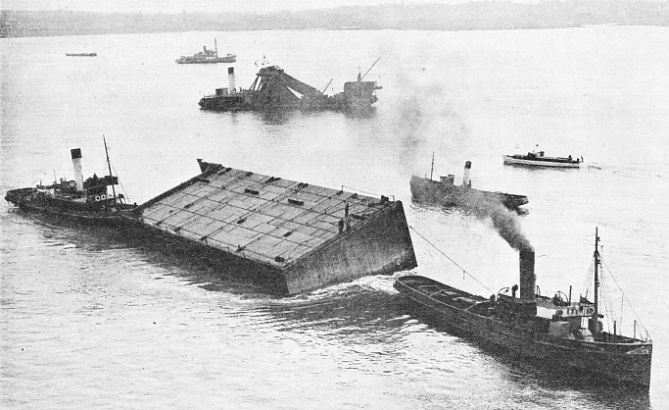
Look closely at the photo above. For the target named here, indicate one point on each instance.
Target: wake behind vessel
(555, 330)
(96, 199)
(444, 192)
(207, 57)
(275, 90)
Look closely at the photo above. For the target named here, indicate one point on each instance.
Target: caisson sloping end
(304, 235)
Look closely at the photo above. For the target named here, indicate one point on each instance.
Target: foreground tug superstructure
(298, 235)
(555, 330)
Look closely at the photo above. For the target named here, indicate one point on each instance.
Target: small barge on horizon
(554, 330)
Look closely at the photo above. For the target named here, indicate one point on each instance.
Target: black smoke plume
(505, 222)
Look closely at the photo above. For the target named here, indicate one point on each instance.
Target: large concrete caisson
(305, 236)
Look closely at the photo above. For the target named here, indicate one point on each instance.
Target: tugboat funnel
(76, 163)
(231, 79)
(465, 175)
(527, 276)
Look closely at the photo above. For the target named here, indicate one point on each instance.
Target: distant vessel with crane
(273, 89)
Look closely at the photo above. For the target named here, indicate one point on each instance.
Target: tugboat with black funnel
(556, 330)
(94, 200)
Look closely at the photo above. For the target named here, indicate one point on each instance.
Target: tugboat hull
(31, 200)
(425, 190)
(207, 60)
(538, 159)
(467, 315)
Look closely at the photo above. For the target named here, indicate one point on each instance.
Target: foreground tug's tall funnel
(76, 163)
(527, 276)
(231, 79)
(466, 182)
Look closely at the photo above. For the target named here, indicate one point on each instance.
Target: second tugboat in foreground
(95, 200)
(555, 330)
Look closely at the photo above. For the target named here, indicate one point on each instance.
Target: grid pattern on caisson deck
(263, 218)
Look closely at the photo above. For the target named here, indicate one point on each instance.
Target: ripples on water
(107, 321)
(94, 318)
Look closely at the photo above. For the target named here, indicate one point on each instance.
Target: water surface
(91, 318)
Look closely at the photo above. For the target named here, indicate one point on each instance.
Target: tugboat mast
(111, 176)
(594, 327)
(370, 69)
(432, 167)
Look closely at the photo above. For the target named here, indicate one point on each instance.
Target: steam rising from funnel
(423, 116)
(424, 120)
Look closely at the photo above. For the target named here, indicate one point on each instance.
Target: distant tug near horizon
(207, 57)
(444, 192)
(556, 330)
(92, 200)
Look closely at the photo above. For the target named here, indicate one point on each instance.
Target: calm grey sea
(92, 319)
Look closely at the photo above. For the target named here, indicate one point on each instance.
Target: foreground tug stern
(554, 330)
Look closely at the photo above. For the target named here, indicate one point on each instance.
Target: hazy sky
(176, 6)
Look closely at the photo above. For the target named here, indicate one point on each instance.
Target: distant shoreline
(486, 15)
